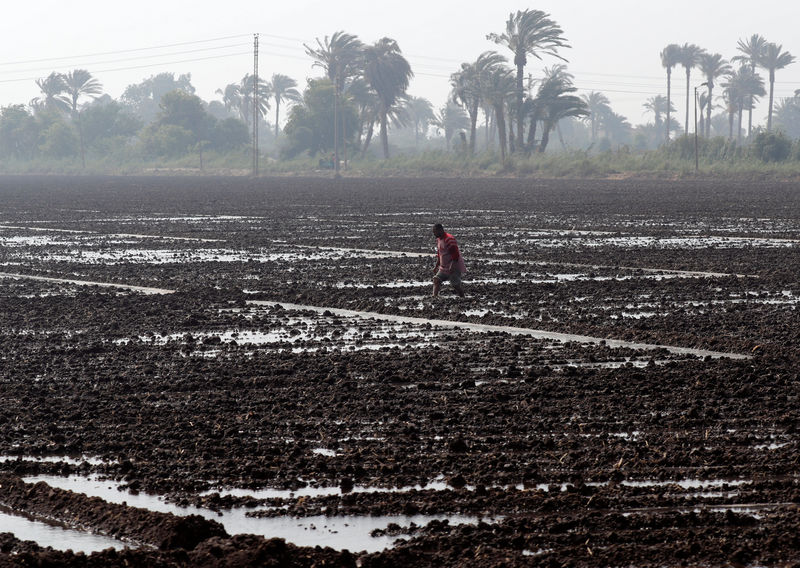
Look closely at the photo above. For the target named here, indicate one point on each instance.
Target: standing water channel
(341, 532)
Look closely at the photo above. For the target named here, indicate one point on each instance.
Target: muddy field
(215, 372)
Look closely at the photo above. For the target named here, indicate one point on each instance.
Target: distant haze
(615, 44)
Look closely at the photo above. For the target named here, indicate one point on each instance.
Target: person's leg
(455, 280)
(437, 284)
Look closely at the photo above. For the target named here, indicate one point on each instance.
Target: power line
(143, 57)
(26, 62)
(132, 67)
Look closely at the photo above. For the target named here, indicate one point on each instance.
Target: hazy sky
(615, 43)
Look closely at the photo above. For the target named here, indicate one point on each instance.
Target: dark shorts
(454, 277)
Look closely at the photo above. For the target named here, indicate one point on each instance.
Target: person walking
(449, 262)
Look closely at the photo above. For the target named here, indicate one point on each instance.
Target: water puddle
(42, 241)
(131, 255)
(485, 328)
(301, 335)
(687, 483)
(376, 253)
(57, 537)
(142, 289)
(345, 532)
(312, 492)
(54, 459)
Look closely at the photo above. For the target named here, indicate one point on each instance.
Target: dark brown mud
(569, 454)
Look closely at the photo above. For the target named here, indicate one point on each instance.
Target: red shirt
(447, 250)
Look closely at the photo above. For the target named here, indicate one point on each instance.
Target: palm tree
(466, 85)
(554, 102)
(742, 89)
(283, 88)
(773, 58)
(712, 65)
(253, 97)
(450, 119)
(231, 96)
(338, 56)
(421, 114)
(617, 128)
(787, 115)
(731, 94)
(599, 107)
(702, 102)
(658, 106)
(670, 57)
(79, 83)
(752, 51)
(388, 73)
(498, 87)
(239, 97)
(366, 103)
(528, 32)
(557, 108)
(341, 58)
(52, 88)
(689, 57)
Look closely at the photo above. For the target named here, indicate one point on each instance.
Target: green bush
(60, 141)
(771, 147)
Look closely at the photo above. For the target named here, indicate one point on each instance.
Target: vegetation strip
(485, 328)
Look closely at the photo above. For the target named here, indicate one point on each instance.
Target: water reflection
(341, 532)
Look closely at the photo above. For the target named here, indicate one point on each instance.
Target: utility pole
(255, 105)
(696, 159)
(696, 163)
(336, 126)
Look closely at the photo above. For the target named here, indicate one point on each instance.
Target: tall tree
(702, 102)
(341, 57)
(283, 88)
(787, 115)
(528, 32)
(231, 97)
(712, 66)
(366, 104)
(19, 132)
(689, 57)
(52, 90)
(773, 58)
(670, 57)
(731, 94)
(310, 125)
(742, 89)
(338, 55)
(658, 106)
(617, 128)
(253, 97)
(466, 85)
(450, 119)
(144, 98)
(421, 114)
(80, 83)
(389, 74)
(751, 52)
(599, 107)
(556, 101)
(499, 86)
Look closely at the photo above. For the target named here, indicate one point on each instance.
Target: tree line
(363, 89)
(742, 86)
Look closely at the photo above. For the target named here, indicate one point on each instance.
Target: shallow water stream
(341, 532)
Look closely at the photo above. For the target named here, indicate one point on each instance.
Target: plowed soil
(567, 453)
